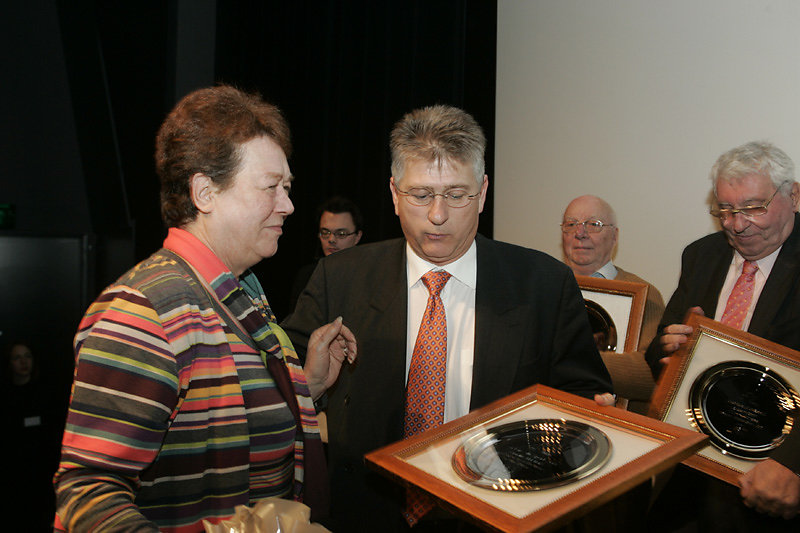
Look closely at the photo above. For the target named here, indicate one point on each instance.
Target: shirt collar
(464, 269)
(765, 264)
(198, 254)
(607, 271)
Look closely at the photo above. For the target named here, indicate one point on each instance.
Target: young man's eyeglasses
(338, 234)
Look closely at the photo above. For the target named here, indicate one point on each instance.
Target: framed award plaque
(535, 460)
(738, 389)
(616, 311)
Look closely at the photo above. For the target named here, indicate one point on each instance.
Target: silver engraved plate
(603, 328)
(745, 408)
(532, 455)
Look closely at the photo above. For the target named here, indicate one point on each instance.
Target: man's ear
(482, 197)
(202, 191)
(393, 190)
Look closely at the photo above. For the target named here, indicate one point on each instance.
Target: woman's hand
(328, 348)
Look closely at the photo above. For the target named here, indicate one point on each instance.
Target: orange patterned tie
(741, 295)
(426, 381)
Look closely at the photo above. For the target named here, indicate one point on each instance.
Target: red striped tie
(426, 381)
(741, 296)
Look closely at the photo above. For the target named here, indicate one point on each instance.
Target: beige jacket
(630, 373)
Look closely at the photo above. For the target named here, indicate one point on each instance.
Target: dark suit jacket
(530, 327)
(776, 316)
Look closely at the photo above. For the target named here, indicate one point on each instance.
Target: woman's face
(247, 217)
(21, 360)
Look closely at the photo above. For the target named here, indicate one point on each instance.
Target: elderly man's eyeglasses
(422, 197)
(589, 226)
(338, 234)
(748, 211)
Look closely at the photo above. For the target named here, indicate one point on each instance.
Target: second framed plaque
(616, 311)
(739, 389)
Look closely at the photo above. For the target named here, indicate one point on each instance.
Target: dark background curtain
(344, 73)
(87, 83)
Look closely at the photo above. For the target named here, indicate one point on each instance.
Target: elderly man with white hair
(756, 254)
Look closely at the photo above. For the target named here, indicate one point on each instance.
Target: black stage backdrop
(344, 73)
(86, 84)
(90, 81)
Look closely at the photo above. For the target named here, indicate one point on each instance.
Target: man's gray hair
(757, 157)
(439, 135)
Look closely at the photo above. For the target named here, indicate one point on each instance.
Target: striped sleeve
(125, 390)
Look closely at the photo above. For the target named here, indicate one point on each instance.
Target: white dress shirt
(458, 297)
(734, 271)
(607, 271)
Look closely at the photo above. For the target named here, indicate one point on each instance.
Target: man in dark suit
(514, 316)
(756, 203)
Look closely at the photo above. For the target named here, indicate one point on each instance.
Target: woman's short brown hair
(204, 134)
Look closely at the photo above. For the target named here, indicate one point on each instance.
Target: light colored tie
(426, 381)
(741, 296)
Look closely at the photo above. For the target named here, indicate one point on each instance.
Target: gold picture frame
(624, 301)
(641, 447)
(710, 344)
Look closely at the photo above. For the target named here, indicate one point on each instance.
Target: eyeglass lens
(424, 197)
(340, 234)
(589, 226)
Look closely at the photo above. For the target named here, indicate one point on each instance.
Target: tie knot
(749, 268)
(435, 281)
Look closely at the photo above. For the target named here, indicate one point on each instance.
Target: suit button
(347, 400)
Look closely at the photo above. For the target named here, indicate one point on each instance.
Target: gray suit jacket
(530, 327)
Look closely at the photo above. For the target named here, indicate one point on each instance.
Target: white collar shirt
(734, 271)
(458, 297)
(607, 271)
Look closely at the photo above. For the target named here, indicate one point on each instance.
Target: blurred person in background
(340, 227)
(33, 422)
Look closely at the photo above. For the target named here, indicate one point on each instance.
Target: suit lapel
(498, 325)
(383, 369)
(778, 285)
(718, 264)
(390, 288)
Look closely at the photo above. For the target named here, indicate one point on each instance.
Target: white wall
(633, 100)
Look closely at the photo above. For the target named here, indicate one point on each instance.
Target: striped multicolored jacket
(157, 433)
